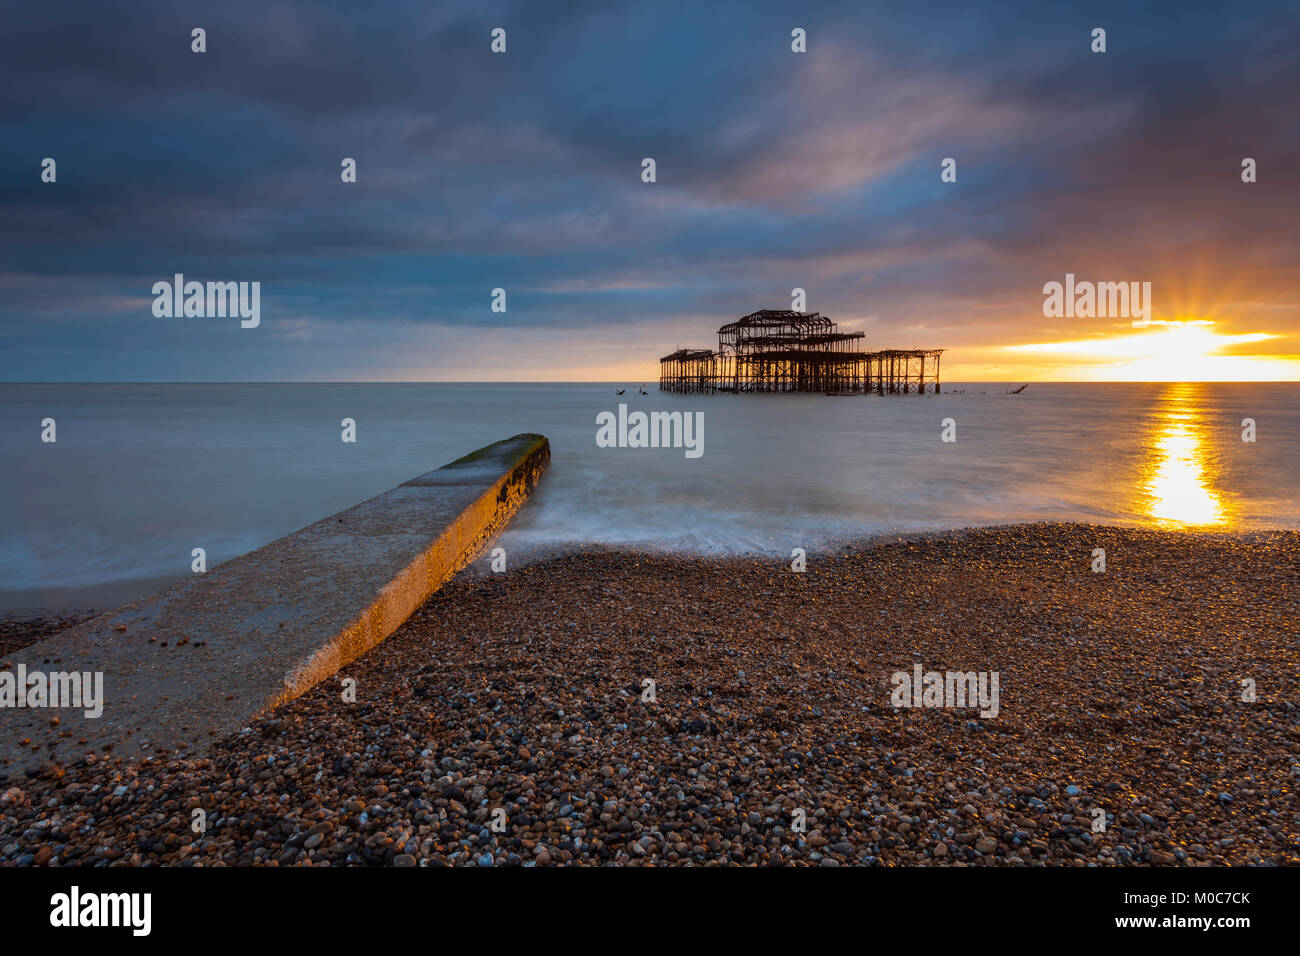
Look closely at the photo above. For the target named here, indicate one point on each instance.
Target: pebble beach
(507, 722)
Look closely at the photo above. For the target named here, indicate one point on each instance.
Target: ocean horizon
(140, 474)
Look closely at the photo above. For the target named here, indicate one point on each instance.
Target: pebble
(523, 692)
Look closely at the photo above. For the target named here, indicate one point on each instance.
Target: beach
(17, 632)
(505, 723)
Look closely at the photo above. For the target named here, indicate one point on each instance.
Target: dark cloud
(522, 170)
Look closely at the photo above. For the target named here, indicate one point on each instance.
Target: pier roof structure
(781, 350)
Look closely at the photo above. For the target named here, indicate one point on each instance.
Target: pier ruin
(784, 351)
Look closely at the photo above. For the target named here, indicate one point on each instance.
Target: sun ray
(1173, 351)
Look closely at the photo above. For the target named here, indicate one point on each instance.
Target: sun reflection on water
(1175, 485)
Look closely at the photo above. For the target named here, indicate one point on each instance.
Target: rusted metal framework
(689, 370)
(783, 351)
(899, 371)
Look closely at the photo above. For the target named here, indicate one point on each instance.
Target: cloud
(522, 171)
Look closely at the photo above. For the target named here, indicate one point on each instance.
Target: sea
(138, 475)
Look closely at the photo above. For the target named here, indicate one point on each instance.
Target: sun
(1169, 351)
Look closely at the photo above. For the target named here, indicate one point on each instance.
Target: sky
(522, 170)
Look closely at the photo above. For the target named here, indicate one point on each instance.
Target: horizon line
(594, 381)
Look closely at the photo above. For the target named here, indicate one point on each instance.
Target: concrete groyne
(204, 657)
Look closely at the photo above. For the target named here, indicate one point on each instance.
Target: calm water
(142, 474)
